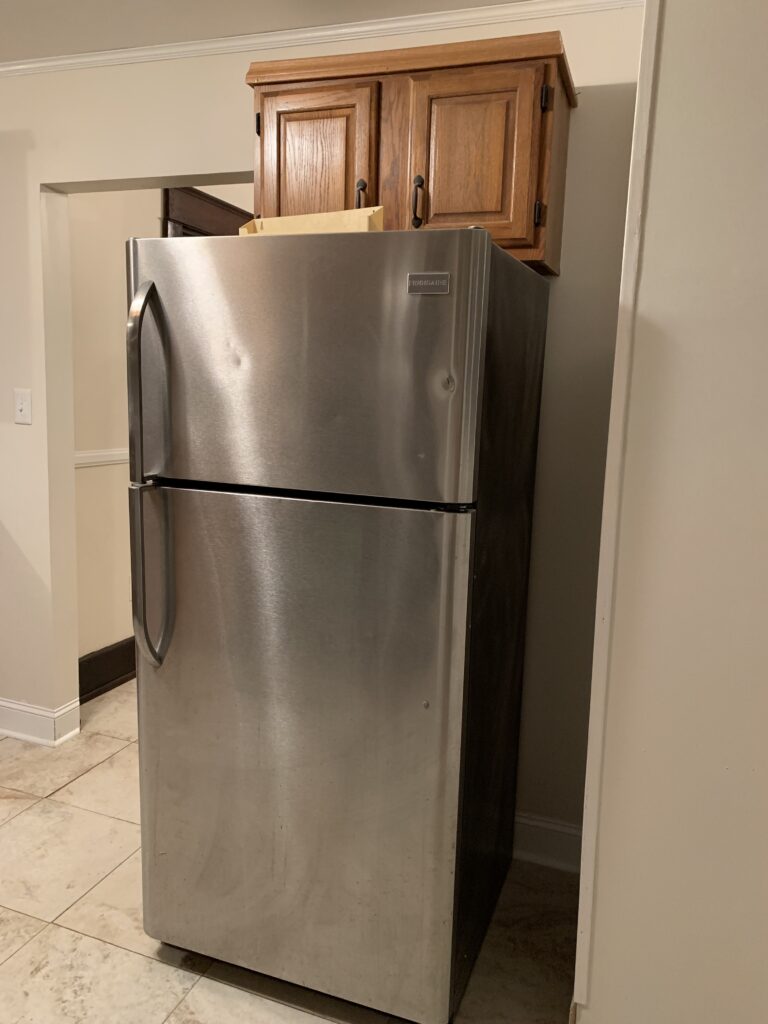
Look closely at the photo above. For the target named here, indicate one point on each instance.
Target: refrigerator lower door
(300, 743)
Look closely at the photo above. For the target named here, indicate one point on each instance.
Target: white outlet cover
(22, 406)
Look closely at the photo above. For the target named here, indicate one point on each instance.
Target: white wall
(192, 119)
(99, 224)
(681, 895)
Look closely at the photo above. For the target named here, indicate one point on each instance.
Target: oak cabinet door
(318, 149)
(475, 150)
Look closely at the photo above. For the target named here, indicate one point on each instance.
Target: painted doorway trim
(612, 493)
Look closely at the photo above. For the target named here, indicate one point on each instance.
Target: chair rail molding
(465, 18)
(101, 457)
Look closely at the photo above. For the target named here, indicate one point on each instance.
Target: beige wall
(82, 126)
(572, 439)
(237, 195)
(99, 224)
(681, 896)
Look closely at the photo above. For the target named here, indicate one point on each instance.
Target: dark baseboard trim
(103, 670)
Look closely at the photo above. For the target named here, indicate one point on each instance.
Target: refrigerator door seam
(324, 496)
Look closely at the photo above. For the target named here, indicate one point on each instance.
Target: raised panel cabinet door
(475, 150)
(318, 149)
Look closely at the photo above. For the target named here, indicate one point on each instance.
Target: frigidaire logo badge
(432, 283)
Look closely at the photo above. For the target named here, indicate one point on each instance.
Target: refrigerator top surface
(344, 364)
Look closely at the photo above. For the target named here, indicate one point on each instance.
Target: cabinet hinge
(258, 122)
(546, 93)
(538, 213)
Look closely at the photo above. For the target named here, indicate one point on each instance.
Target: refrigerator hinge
(546, 92)
(258, 122)
(538, 213)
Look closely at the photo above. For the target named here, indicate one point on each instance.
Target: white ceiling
(53, 28)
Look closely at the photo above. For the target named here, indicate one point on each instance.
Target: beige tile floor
(72, 946)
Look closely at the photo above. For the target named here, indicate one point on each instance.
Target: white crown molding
(468, 18)
(102, 457)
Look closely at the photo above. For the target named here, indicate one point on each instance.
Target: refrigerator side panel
(300, 744)
(517, 318)
(340, 364)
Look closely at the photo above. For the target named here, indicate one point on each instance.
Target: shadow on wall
(25, 600)
(14, 147)
(572, 443)
(25, 610)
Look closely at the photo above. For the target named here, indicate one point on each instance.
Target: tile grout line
(79, 775)
(21, 792)
(86, 810)
(273, 999)
(134, 952)
(45, 924)
(109, 736)
(35, 801)
(79, 807)
(103, 877)
(96, 765)
(68, 803)
(175, 1008)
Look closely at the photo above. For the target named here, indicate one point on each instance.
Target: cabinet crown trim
(533, 46)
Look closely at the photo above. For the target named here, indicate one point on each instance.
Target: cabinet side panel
(514, 358)
(553, 177)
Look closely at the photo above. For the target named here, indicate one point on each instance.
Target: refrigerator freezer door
(345, 364)
(300, 742)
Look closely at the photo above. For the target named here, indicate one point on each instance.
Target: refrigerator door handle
(136, 313)
(154, 653)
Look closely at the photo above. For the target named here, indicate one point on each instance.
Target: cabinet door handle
(360, 187)
(418, 183)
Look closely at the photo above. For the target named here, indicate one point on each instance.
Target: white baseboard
(555, 844)
(47, 726)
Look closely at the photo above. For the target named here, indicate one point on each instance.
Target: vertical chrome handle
(418, 183)
(136, 313)
(154, 653)
(360, 187)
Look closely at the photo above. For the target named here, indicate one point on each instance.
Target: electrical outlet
(22, 406)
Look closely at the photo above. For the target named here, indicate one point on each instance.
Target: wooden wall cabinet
(442, 136)
(319, 148)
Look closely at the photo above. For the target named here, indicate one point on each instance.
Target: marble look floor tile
(314, 1005)
(15, 930)
(524, 973)
(112, 787)
(112, 911)
(61, 977)
(51, 854)
(13, 803)
(113, 713)
(211, 1002)
(38, 770)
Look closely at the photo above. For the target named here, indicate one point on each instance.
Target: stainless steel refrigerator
(332, 446)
